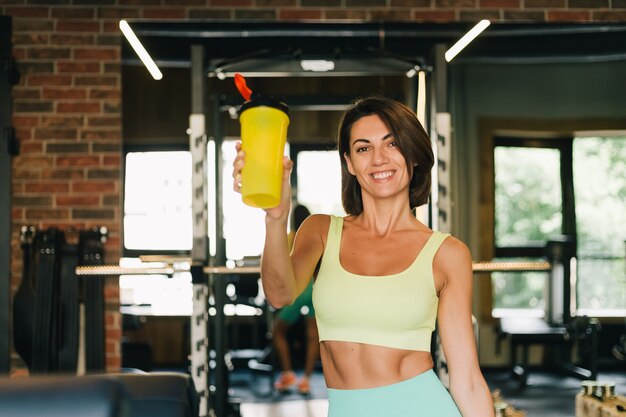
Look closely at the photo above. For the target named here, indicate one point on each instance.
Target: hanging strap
(92, 253)
(44, 330)
(24, 299)
(69, 308)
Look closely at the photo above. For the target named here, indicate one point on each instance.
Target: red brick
(46, 187)
(79, 107)
(26, 174)
(71, 200)
(93, 186)
(97, 80)
(111, 292)
(38, 106)
(110, 160)
(48, 53)
(33, 25)
(111, 320)
(41, 214)
(164, 13)
(57, 133)
(73, 12)
(410, 3)
(36, 11)
(65, 93)
(237, 3)
(17, 214)
(609, 16)
(78, 67)
(78, 26)
(24, 121)
(399, 15)
(112, 334)
(78, 161)
(111, 27)
(568, 16)
(19, 53)
(62, 121)
(30, 147)
(299, 14)
(111, 347)
(49, 80)
(113, 363)
(100, 54)
(502, 4)
(29, 39)
(434, 16)
(101, 134)
(26, 93)
(23, 134)
(72, 39)
(98, 93)
(63, 174)
(24, 161)
(104, 121)
(118, 13)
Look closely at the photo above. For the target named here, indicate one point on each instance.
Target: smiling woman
(382, 277)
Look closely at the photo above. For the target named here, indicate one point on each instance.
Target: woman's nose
(380, 156)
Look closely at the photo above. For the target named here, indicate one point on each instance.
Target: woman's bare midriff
(349, 365)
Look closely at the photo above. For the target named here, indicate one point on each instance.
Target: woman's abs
(349, 365)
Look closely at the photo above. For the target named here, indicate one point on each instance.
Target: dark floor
(548, 394)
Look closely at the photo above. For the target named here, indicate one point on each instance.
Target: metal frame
(6, 149)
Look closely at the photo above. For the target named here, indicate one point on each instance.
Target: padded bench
(525, 332)
(158, 394)
(63, 397)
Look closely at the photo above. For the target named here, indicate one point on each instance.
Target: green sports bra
(397, 311)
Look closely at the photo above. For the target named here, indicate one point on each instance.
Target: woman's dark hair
(413, 142)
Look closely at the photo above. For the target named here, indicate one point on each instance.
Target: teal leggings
(421, 396)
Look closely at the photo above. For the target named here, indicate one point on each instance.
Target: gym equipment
(159, 394)
(46, 307)
(63, 397)
(559, 329)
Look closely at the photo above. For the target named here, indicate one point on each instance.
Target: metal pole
(199, 251)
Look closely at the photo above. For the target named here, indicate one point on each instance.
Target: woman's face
(375, 159)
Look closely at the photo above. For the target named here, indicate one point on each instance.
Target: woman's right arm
(284, 276)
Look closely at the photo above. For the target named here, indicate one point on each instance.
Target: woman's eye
(393, 144)
(361, 149)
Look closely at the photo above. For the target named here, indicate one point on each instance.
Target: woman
(287, 317)
(383, 278)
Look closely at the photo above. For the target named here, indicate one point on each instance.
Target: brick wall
(67, 106)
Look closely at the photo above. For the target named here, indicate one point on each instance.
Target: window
(157, 201)
(561, 186)
(319, 182)
(600, 190)
(528, 209)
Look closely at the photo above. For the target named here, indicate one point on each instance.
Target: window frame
(135, 253)
(490, 127)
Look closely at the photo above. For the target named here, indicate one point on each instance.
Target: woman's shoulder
(316, 223)
(452, 245)
(453, 253)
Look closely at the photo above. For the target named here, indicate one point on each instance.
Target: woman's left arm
(453, 265)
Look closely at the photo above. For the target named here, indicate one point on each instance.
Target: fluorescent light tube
(140, 50)
(466, 39)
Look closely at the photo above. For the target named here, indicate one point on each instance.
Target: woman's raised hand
(282, 210)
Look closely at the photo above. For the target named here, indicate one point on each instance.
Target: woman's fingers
(237, 166)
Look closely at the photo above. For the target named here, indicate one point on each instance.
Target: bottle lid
(257, 101)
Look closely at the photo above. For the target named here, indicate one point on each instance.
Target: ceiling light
(317, 65)
(140, 50)
(466, 39)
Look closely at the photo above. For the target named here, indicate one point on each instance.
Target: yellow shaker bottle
(264, 124)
